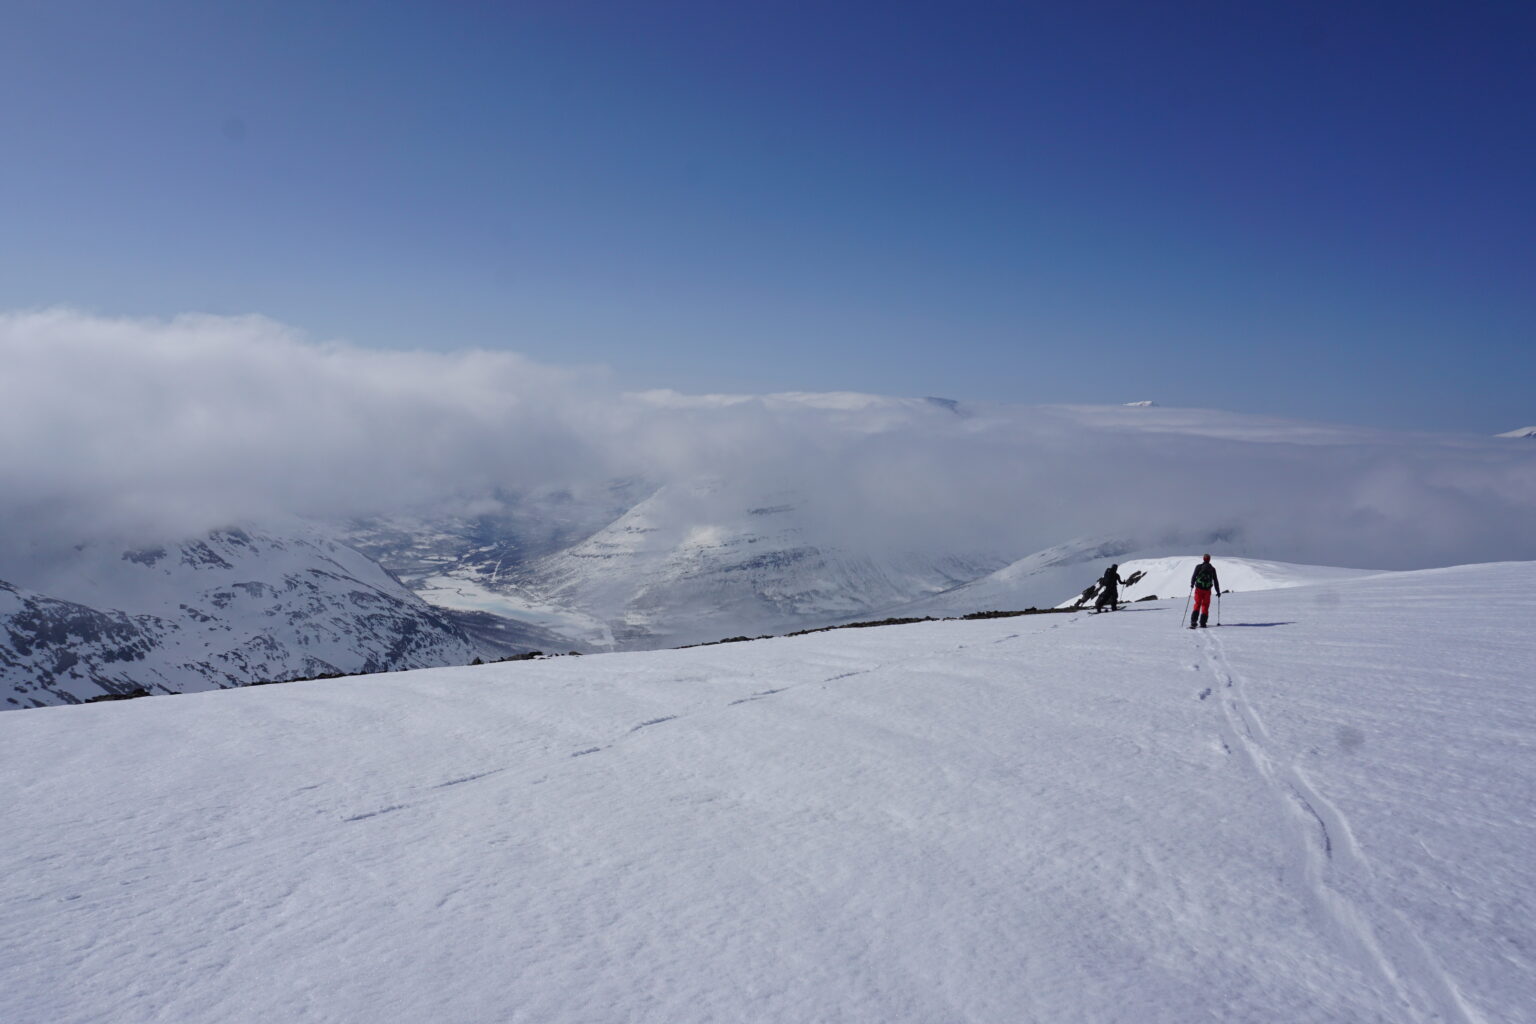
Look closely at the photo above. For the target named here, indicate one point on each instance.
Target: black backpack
(1205, 575)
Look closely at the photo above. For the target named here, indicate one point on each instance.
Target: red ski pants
(1202, 601)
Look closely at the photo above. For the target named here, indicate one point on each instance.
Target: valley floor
(1321, 811)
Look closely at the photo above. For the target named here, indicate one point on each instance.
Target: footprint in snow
(759, 695)
(467, 778)
(375, 814)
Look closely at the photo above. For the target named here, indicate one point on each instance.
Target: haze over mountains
(501, 506)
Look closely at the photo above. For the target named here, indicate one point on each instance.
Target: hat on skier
(1207, 558)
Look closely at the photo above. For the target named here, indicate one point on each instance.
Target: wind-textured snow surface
(1320, 812)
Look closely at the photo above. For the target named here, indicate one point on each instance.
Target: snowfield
(1323, 811)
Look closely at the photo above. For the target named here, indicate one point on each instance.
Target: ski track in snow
(1341, 890)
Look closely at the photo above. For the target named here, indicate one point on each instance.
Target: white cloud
(155, 426)
(203, 420)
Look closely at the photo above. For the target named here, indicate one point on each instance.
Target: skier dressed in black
(1109, 595)
(1204, 580)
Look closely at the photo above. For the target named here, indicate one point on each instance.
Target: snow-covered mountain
(1522, 432)
(1319, 812)
(1035, 581)
(693, 563)
(628, 566)
(677, 564)
(59, 652)
(232, 608)
(471, 564)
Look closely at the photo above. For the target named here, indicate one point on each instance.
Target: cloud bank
(129, 427)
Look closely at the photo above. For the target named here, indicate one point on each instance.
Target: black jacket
(1215, 580)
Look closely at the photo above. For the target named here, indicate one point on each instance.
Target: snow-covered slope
(235, 607)
(1170, 576)
(633, 567)
(59, 652)
(1057, 576)
(1036, 581)
(1321, 811)
(698, 563)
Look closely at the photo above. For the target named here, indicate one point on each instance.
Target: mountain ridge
(234, 607)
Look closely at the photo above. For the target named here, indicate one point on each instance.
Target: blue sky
(1318, 210)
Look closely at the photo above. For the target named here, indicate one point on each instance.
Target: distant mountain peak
(1141, 405)
(1522, 432)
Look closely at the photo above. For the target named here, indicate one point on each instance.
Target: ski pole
(1186, 608)
(1218, 607)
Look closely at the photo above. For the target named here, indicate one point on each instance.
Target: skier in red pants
(1203, 580)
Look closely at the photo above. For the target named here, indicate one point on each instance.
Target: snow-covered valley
(1320, 811)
